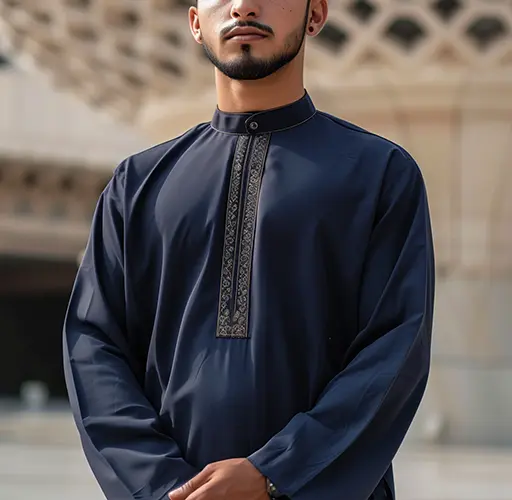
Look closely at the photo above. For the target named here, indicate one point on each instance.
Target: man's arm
(347, 441)
(129, 453)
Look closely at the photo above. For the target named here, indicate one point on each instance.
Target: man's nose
(242, 10)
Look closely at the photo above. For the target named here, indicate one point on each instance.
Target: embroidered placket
(241, 214)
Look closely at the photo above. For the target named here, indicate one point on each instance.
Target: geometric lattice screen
(117, 53)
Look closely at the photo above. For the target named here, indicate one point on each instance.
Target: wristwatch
(272, 491)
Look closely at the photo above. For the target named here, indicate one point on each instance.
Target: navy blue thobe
(260, 287)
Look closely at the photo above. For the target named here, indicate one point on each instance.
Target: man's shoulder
(361, 138)
(141, 163)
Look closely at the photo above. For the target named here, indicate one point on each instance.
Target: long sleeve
(346, 442)
(127, 450)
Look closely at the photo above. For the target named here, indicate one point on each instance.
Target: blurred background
(84, 83)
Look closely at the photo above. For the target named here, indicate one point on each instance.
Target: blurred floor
(32, 466)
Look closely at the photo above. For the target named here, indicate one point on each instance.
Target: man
(252, 316)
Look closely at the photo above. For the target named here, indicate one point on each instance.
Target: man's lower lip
(247, 38)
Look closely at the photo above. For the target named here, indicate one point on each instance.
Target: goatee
(249, 67)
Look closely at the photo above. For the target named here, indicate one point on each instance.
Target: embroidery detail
(233, 319)
(230, 236)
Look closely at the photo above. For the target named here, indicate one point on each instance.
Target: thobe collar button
(267, 121)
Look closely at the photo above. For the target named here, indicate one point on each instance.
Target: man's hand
(235, 479)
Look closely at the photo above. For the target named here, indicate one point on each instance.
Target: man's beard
(248, 67)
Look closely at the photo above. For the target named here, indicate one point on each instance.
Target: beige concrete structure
(433, 75)
(56, 155)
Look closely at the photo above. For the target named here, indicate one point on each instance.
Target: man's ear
(194, 25)
(318, 17)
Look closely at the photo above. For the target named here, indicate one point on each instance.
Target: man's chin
(244, 70)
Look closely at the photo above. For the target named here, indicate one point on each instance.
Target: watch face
(272, 490)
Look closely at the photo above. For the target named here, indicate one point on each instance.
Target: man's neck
(274, 91)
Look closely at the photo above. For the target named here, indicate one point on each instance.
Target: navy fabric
(321, 392)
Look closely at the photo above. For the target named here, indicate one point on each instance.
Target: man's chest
(271, 195)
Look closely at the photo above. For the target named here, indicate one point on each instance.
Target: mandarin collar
(264, 122)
